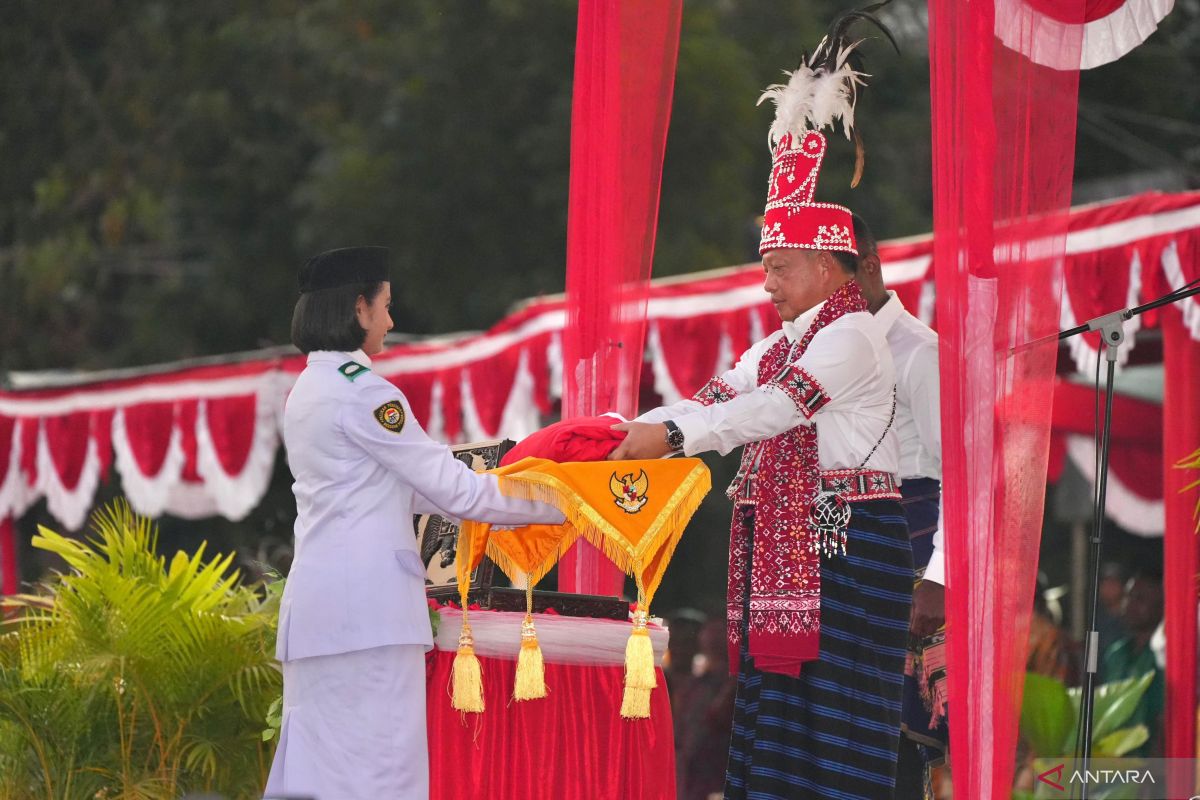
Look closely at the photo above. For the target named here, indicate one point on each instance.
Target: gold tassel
(639, 655)
(635, 704)
(640, 679)
(467, 676)
(531, 667)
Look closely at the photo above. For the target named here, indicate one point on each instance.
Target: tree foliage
(167, 166)
(132, 677)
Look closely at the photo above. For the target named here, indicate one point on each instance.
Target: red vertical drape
(1181, 436)
(1003, 150)
(8, 556)
(624, 76)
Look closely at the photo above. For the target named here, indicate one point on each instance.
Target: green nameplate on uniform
(352, 369)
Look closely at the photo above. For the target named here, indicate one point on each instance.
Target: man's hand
(928, 609)
(645, 440)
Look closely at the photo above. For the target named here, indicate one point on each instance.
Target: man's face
(797, 279)
(1112, 592)
(1143, 605)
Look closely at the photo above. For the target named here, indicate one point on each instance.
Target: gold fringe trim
(539, 571)
(664, 532)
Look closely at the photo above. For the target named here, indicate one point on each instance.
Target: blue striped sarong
(833, 732)
(922, 497)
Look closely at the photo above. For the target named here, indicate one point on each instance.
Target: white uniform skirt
(353, 727)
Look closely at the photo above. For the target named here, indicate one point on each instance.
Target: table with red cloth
(571, 745)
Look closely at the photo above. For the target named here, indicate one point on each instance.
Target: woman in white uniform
(354, 624)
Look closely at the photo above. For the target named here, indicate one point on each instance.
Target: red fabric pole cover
(8, 429)
(624, 76)
(1181, 436)
(8, 556)
(1003, 150)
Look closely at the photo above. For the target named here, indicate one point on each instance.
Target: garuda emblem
(629, 493)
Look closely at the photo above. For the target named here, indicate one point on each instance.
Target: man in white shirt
(820, 571)
(914, 348)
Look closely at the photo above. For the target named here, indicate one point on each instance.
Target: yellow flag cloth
(633, 511)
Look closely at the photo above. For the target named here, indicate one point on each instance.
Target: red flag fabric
(583, 439)
(9, 581)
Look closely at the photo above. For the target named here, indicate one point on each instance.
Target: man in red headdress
(820, 567)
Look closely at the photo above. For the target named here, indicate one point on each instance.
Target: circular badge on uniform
(391, 416)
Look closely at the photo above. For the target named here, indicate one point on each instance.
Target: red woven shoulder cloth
(775, 485)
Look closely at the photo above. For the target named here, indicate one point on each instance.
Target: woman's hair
(327, 320)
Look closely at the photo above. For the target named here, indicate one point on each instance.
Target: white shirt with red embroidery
(849, 359)
(914, 348)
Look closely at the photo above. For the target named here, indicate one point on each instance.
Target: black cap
(346, 265)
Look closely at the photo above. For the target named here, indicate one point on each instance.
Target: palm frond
(131, 676)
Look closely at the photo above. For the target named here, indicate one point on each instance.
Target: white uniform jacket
(363, 466)
(914, 347)
(849, 358)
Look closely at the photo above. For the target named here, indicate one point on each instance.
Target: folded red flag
(578, 439)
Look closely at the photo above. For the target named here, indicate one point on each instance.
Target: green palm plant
(131, 677)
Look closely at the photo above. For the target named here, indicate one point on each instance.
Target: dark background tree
(167, 166)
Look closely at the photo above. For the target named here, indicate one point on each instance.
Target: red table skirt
(572, 745)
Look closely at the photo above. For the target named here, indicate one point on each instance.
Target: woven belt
(860, 484)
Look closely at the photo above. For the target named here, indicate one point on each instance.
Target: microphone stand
(1112, 332)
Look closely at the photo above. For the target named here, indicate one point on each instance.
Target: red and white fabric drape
(198, 441)
(1062, 40)
(1135, 480)
(193, 443)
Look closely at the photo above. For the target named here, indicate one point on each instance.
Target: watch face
(675, 439)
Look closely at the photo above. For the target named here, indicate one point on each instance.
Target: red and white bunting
(197, 441)
(1110, 29)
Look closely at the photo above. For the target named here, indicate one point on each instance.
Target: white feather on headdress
(815, 98)
(823, 90)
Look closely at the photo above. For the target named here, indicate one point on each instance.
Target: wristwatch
(674, 436)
